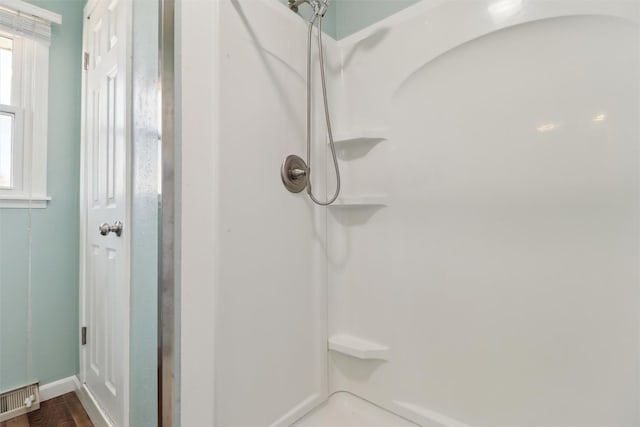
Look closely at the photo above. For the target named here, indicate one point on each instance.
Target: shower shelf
(373, 200)
(358, 347)
(363, 135)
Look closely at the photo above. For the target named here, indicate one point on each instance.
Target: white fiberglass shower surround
(480, 266)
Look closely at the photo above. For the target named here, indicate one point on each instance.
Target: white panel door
(106, 295)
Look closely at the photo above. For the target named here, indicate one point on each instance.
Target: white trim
(58, 388)
(24, 202)
(88, 8)
(95, 413)
(82, 318)
(29, 9)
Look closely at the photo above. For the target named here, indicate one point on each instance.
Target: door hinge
(84, 335)
(86, 61)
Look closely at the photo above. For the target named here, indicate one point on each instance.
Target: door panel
(107, 281)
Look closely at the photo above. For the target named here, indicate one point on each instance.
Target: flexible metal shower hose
(326, 113)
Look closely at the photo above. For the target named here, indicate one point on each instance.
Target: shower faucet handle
(297, 173)
(294, 173)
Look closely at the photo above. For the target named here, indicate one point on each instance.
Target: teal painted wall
(54, 231)
(354, 15)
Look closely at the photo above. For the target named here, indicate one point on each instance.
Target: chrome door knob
(115, 228)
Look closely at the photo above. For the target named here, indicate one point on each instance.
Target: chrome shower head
(293, 5)
(320, 7)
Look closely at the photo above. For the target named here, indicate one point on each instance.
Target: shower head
(293, 4)
(320, 7)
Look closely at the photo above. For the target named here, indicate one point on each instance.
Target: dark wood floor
(62, 411)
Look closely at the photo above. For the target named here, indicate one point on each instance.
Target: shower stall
(480, 265)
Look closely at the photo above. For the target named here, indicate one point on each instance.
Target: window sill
(24, 202)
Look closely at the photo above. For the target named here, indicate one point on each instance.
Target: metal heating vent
(19, 401)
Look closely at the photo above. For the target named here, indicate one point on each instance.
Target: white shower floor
(346, 410)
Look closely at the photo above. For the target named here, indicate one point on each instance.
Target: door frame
(168, 372)
(84, 232)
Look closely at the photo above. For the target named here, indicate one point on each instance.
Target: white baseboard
(96, 414)
(58, 388)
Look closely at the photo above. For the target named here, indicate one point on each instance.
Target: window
(6, 150)
(7, 119)
(25, 34)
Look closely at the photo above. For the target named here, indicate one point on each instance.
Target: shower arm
(320, 7)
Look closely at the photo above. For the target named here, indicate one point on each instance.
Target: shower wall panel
(253, 263)
(502, 274)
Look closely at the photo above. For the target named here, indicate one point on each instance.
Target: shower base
(346, 410)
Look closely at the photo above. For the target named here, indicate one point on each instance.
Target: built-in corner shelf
(361, 135)
(358, 347)
(372, 200)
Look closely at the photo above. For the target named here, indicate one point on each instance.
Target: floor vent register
(20, 401)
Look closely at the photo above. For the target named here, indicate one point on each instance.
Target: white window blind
(19, 17)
